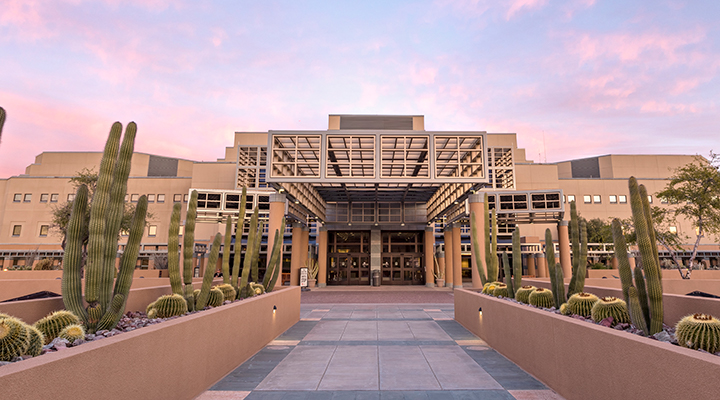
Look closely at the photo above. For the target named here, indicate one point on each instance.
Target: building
(369, 193)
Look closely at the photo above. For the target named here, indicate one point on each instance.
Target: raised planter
(177, 359)
(580, 360)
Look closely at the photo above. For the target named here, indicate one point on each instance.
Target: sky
(573, 79)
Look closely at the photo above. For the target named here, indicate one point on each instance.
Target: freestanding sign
(303, 277)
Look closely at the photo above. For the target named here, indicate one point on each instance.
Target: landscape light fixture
(480, 311)
(274, 309)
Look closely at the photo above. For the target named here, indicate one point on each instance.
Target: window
(622, 198)
(27, 198)
(16, 230)
(151, 198)
(570, 198)
(44, 198)
(54, 198)
(673, 230)
(587, 199)
(127, 197)
(177, 198)
(182, 230)
(613, 199)
(597, 199)
(44, 229)
(650, 199)
(71, 197)
(134, 198)
(17, 197)
(152, 230)
(161, 198)
(185, 198)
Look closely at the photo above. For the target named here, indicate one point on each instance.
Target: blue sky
(592, 77)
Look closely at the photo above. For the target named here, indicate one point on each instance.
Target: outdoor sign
(303, 277)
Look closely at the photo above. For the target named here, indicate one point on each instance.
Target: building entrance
(349, 269)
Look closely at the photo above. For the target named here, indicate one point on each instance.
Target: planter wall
(580, 360)
(139, 297)
(675, 306)
(177, 359)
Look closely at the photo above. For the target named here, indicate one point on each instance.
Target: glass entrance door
(402, 269)
(348, 269)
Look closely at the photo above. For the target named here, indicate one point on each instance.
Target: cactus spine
(517, 260)
(189, 248)
(508, 276)
(202, 298)
(556, 275)
(523, 294)
(105, 303)
(699, 331)
(14, 339)
(174, 251)
(610, 307)
(581, 303)
(226, 250)
(542, 297)
(476, 248)
(578, 234)
(53, 324)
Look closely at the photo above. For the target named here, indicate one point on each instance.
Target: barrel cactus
(523, 294)
(216, 297)
(500, 290)
(611, 307)
(170, 306)
(699, 331)
(564, 310)
(14, 338)
(53, 324)
(37, 340)
(257, 288)
(228, 291)
(73, 333)
(542, 297)
(489, 287)
(581, 304)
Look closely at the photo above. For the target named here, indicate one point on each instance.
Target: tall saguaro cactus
(174, 251)
(273, 270)
(645, 302)
(556, 273)
(491, 258)
(249, 256)
(226, 250)
(517, 259)
(578, 235)
(238, 241)
(189, 248)
(105, 295)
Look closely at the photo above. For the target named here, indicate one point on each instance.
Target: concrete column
(448, 256)
(296, 254)
(542, 266)
(441, 263)
(457, 256)
(375, 251)
(631, 260)
(322, 256)
(151, 263)
(531, 265)
(477, 207)
(7, 263)
(614, 263)
(277, 212)
(429, 256)
(564, 247)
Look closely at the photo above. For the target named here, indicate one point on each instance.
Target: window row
(54, 197)
(597, 199)
(45, 230)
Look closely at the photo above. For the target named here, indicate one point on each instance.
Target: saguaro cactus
(578, 234)
(189, 248)
(226, 250)
(517, 259)
(476, 248)
(491, 258)
(238, 239)
(202, 298)
(174, 251)
(274, 266)
(556, 273)
(251, 246)
(105, 305)
(644, 300)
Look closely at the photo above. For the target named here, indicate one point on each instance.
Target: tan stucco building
(369, 193)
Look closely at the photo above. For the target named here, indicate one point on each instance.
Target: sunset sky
(590, 77)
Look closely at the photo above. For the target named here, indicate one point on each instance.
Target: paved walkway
(378, 351)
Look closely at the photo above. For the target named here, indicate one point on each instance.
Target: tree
(61, 212)
(694, 194)
(599, 231)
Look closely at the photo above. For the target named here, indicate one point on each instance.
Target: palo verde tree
(693, 193)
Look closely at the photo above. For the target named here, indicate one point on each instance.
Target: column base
(322, 285)
(429, 284)
(457, 287)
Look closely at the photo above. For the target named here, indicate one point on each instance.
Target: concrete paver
(378, 351)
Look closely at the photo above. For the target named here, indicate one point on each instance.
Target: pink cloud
(423, 76)
(516, 6)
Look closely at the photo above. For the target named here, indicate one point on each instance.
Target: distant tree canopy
(61, 212)
(599, 231)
